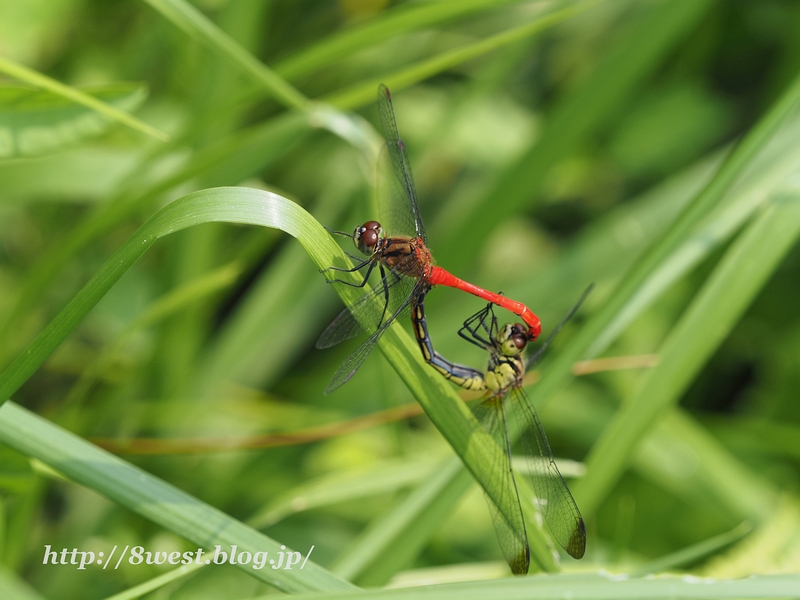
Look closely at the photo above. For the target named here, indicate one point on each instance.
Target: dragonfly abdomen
(463, 376)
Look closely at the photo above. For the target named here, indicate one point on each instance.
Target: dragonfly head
(512, 339)
(366, 237)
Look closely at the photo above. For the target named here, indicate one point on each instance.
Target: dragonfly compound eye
(519, 335)
(366, 236)
(372, 225)
(512, 339)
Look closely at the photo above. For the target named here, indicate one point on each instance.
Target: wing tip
(323, 344)
(338, 381)
(577, 542)
(522, 564)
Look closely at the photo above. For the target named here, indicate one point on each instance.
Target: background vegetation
(650, 147)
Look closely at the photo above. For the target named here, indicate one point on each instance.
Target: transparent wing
(372, 309)
(351, 364)
(397, 197)
(536, 356)
(511, 533)
(555, 500)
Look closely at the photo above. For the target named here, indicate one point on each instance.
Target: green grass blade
(714, 477)
(560, 369)
(392, 23)
(34, 121)
(185, 295)
(155, 583)
(381, 478)
(225, 161)
(29, 76)
(151, 497)
(392, 543)
(718, 306)
(752, 191)
(386, 533)
(364, 93)
(694, 553)
(593, 587)
(197, 25)
(732, 485)
(574, 119)
(13, 587)
(255, 207)
(720, 478)
(235, 205)
(740, 158)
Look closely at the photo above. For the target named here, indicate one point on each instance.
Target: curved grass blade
(231, 159)
(23, 73)
(257, 207)
(151, 497)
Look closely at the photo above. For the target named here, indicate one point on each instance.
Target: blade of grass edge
(34, 78)
(730, 289)
(256, 207)
(155, 583)
(560, 368)
(152, 498)
(395, 21)
(363, 93)
(581, 113)
(196, 24)
(589, 586)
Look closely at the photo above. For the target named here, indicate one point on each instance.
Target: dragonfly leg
(351, 284)
(358, 267)
(470, 331)
(385, 293)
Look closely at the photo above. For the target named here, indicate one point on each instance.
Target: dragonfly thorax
(503, 373)
(367, 236)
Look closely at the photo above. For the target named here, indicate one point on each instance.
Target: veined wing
(510, 529)
(372, 309)
(351, 364)
(555, 500)
(397, 196)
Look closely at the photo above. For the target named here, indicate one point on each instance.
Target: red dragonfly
(505, 403)
(398, 247)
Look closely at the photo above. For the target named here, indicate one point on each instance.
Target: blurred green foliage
(553, 144)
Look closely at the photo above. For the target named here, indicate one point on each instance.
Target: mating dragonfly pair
(398, 247)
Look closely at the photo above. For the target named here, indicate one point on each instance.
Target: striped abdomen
(466, 377)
